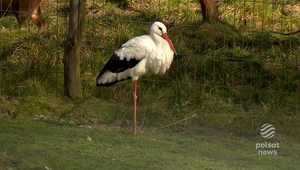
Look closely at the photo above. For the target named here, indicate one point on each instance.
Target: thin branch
(179, 121)
(288, 33)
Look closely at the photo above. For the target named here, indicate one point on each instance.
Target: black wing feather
(116, 65)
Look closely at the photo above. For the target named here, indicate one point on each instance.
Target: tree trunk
(72, 82)
(209, 10)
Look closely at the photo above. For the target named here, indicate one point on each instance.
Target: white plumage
(146, 54)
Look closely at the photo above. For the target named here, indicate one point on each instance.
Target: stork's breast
(159, 63)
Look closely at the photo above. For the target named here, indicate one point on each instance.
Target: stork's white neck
(156, 38)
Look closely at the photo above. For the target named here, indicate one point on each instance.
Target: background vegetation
(235, 75)
(228, 79)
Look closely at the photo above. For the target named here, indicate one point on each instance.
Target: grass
(235, 75)
(224, 62)
(234, 71)
(36, 144)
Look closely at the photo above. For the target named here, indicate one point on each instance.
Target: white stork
(146, 54)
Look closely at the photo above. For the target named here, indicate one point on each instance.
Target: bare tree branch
(288, 33)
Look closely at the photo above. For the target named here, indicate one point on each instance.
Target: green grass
(33, 144)
(235, 75)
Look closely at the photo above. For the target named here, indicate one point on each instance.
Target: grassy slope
(233, 80)
(29, 144)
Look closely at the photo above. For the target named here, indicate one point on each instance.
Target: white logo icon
(267, 131)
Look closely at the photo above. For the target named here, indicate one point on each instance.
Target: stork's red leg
(134, 106)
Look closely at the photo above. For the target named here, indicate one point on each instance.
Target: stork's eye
(160, 29)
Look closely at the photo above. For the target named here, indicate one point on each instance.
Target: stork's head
(160, 29)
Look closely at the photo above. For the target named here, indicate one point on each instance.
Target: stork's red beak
(166, 37)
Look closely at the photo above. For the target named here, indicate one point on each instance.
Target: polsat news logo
(267, 131)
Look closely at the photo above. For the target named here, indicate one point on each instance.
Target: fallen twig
(179, 121)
